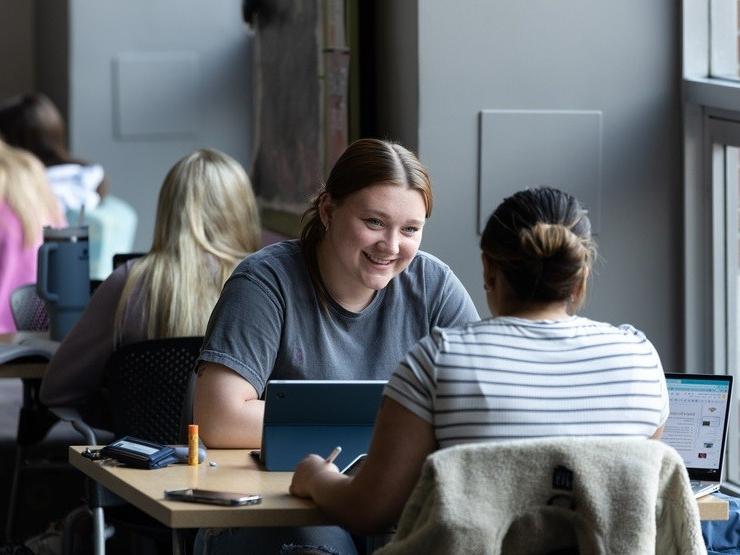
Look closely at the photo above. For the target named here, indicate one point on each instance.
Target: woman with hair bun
(535, 369)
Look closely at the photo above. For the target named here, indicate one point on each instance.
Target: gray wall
(621, 58)
(440, 68)
(209, 105)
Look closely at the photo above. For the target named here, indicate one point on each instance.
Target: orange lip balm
(193, 444)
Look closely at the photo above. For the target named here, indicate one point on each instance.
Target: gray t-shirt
(269, 322)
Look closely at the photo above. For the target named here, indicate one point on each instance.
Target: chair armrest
(72, 415)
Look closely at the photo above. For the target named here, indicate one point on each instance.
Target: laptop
(310, 416)
(697, 425)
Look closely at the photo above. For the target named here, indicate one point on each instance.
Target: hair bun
(555, 257)
(545, 240)
(541, 240)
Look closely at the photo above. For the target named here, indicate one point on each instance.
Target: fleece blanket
(546, 495)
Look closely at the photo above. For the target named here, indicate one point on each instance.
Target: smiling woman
(346, 301)
(379, 196)
(370, 238)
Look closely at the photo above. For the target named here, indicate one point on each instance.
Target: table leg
(98, 531)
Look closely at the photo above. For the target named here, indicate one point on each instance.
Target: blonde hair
(207, 221)
(25, 189)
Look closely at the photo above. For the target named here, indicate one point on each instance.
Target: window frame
(711, 120)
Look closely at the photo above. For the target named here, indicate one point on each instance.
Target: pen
(334, 454)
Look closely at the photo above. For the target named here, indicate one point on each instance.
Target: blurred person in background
(26, 206)
(207, 222)
(32, 122)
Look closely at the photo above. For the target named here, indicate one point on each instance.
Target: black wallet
(139, 453)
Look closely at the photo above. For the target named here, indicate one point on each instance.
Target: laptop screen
(697, 424)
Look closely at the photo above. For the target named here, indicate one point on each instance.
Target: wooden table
(235, 471)
(713, 508)
(22, 370)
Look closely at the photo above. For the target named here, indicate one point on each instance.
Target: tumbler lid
(71, 234)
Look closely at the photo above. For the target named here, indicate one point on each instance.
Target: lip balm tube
(193, 444)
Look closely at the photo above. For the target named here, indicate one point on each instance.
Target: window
(712, 199)
(724, 138)
(723, 33)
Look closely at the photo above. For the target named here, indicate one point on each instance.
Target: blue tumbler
(63, 278)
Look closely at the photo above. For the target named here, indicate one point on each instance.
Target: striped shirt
(507, 378)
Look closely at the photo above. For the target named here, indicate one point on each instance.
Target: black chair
(29, 314)
(28, 309)
(123, 257)
(35, 450)
(150, 385)
(94, 284)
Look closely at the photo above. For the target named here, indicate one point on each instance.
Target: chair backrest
(28, 309)
(123, 257)
(564, 495)
(150, 384)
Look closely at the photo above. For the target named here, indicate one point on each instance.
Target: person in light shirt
(535, 369)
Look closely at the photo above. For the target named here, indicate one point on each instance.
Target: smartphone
(215, 497)
(352, 468)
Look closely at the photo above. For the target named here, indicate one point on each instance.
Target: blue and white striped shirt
(507, 378)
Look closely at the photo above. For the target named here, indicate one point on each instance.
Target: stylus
(334, 454)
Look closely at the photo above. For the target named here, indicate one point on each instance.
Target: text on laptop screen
(695, 425)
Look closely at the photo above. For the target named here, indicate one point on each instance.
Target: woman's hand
(392, 467)
(306, 473)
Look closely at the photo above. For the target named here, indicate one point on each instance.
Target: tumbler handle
(42, 276)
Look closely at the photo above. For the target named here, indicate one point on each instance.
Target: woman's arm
(227, 408)
(372, 500)
(239, 352)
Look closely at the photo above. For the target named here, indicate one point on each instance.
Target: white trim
(723, 37)
(712, 93)
(697, 244)
(695, 38)
(716, 153)
(711, 119)
(732, 469)
(730, 489)
(731, 246)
